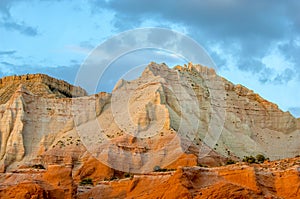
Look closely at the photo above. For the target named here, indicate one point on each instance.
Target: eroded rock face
(55, 182)
(167, 117)
(277, 179)
(38, 84)
(11, 128)
(149, 121)
(268, 180)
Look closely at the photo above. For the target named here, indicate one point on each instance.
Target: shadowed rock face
(167, 117)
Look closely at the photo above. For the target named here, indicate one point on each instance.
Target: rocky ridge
(276, 179)
(38, 84)
(167, 117)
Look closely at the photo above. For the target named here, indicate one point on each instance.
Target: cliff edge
(39, 84)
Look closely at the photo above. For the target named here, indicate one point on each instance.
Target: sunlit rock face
(279, 179)
(167, 117)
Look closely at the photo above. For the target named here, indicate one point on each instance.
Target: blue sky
(255, 43)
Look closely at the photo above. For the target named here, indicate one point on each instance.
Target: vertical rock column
(11, 129)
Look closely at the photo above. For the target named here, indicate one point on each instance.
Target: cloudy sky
(252, 42)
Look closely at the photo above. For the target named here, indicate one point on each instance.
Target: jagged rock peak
(38, 84)
(162, 69)
(196, 68)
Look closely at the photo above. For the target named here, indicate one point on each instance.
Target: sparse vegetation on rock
(40, 120)
(201, 165)
(86, 181)
(258, 159)
(158, 169)
(249, 159)
(128, 175)
(38, 166)
(230, 161)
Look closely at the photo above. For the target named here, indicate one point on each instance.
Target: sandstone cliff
(167, 117)
(278, 179)
(38, 84)
(160, 116)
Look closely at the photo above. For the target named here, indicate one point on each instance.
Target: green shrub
(86, 181)
(38, 166)
(230, 161)
(113, 178)
(202, 165)
(158, 169)
(260, 158)
(128, 175)
(249, 159)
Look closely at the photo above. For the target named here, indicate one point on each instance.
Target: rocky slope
(167, 117)
(277, 179)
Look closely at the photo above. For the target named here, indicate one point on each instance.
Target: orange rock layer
(278, 179)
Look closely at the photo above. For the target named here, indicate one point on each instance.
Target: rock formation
(39, 84)
(166, 118)
(279, 179)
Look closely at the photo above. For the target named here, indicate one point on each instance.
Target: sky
(255, 43)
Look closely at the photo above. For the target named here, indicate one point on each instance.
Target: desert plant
(38, 166)
(156, 168)
(128, 175)
(201, 165)
(249, 159)
(260, 158)
(113, 178)
(230, 161)
(86, 181)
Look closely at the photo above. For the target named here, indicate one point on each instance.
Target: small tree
(38, 166)
(156, 168)
(249, 159)
(113, 178)
(260, 158)
(230, 161)
(128, 175)
(86, 181)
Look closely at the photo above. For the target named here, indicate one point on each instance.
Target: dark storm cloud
(224, 18)
(291, 50)
(249, 28)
